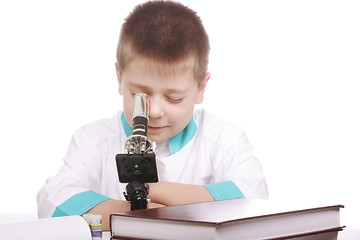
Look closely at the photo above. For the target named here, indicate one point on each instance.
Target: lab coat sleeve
(236, 164)
(75, 189)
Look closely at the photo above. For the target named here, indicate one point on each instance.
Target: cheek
(180, 114)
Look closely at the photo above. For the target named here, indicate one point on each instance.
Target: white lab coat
(218, 152)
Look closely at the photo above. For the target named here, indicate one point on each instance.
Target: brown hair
(165, 32)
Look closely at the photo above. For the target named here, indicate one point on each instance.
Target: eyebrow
(146, 88)
(137, 85)
(176, 90)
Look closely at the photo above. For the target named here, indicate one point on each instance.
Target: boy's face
(172, 96)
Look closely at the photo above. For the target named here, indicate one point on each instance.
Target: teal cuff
(79, 204)
(224, 190)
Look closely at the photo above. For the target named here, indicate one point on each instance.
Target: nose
(156, 108)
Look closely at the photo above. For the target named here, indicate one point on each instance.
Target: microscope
(137, 166)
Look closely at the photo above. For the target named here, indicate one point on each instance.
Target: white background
(287, 71)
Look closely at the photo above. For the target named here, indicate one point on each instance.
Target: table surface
(349, 233)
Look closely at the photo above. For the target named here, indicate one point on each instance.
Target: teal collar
(126, 126)
(177, 142)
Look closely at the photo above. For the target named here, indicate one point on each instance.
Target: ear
(201, 89)
(119, 78)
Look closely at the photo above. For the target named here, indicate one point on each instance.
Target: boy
(163, 51)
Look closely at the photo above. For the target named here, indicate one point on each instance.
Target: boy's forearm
(161, 194)
(170, 194)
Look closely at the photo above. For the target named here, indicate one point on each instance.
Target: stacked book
(229, 219)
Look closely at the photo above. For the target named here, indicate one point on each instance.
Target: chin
(153, 138)
(157, 138)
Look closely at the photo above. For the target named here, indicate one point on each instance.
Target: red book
(229, 219)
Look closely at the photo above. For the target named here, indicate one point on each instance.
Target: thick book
(229, 219)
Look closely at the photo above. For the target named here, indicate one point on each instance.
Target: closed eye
(174, 100)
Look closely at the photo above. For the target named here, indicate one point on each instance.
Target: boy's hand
(170, 194)
(113, 206)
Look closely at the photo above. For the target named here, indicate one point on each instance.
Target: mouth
(155, 129)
